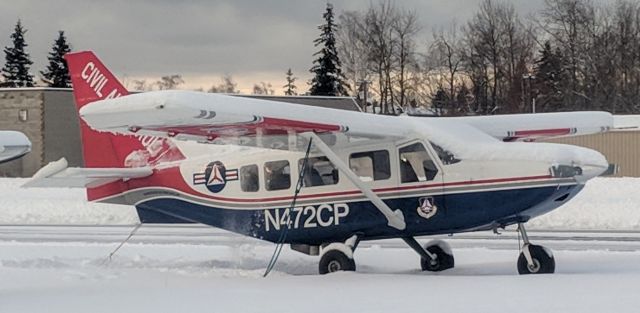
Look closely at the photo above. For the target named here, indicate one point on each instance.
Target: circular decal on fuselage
(215, 176)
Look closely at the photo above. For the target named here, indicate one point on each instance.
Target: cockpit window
(416, 165)
(445, 156)
(277, 175)
(371, 165)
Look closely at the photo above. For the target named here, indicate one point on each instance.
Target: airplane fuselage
(251, 192)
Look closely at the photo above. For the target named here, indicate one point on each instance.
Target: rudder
(92, 81)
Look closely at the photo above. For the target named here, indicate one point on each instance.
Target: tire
(544, 263)
(335, 261)
(443, 261)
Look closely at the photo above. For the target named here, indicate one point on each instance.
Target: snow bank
(57, 206)
(604, 204)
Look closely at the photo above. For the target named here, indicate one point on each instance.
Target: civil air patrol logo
(215, 177)
(427, 207)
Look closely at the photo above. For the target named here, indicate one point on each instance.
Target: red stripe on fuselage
(172, 178)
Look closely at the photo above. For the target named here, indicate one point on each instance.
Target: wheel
(444, 259)
(543, 261)
(334, 261)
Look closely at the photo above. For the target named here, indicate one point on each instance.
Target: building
(49, 118)
(621, 147)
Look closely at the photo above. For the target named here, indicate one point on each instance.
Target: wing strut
(395, 218)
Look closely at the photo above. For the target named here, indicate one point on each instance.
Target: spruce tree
(290, 87)
(57, 72)
(328, 79)
(16, 68)
(550, 74)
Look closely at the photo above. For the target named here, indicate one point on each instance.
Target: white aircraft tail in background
(13, 145)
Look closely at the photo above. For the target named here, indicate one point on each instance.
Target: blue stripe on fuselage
(330, 222)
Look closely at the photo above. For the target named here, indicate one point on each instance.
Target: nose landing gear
(534, 259)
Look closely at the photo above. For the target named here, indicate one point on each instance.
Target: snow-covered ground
(605, 203)
(66, 269)
(595, 239)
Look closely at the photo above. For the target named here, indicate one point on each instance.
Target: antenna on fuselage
(283, 234)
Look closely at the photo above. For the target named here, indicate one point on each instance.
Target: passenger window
(249, 178)
(372, 165)
(416, 165)
(445, 156)
(319, 172)
(277, 175)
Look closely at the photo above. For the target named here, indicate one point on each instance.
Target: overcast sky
(203, 39)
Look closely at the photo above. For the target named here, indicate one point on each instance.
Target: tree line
(570, 55)
(16, 69)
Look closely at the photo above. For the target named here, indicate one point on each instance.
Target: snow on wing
(529, 127)
(202, 116)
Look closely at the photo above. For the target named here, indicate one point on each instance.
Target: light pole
(529, 77)
(364, 86)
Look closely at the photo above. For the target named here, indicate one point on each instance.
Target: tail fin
(92, 81)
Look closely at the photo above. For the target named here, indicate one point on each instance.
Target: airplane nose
(585, 164)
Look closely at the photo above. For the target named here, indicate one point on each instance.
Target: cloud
(200, 38)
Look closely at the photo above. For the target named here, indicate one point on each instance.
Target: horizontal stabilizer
(58, 174)
(626, 122)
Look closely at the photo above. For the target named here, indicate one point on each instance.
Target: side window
(319, 172)
(249, 178)
(415, 164)
(445, 156)
(372, 165)
(277, 175)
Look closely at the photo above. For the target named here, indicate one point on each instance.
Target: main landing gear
(338, 256)
(534, 259)
(435, 256)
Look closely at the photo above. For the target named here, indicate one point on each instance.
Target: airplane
(322, 180)
(13, 145)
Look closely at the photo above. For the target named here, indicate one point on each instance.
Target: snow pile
(604, 204)
(57, 206)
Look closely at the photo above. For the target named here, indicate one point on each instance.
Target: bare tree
(405, 28)
(263, 89)
(352, 48)
(140, 85)
(447, 56)
(226, 86)
(169, 82)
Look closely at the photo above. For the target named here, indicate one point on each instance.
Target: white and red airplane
(321, 179)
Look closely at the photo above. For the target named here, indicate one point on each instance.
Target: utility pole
(530, 97)
(364, 86)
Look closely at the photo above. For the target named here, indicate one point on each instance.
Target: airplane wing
(531, 127)
(13, 145)
(206, 117)
(58, 174)
(210, 117)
